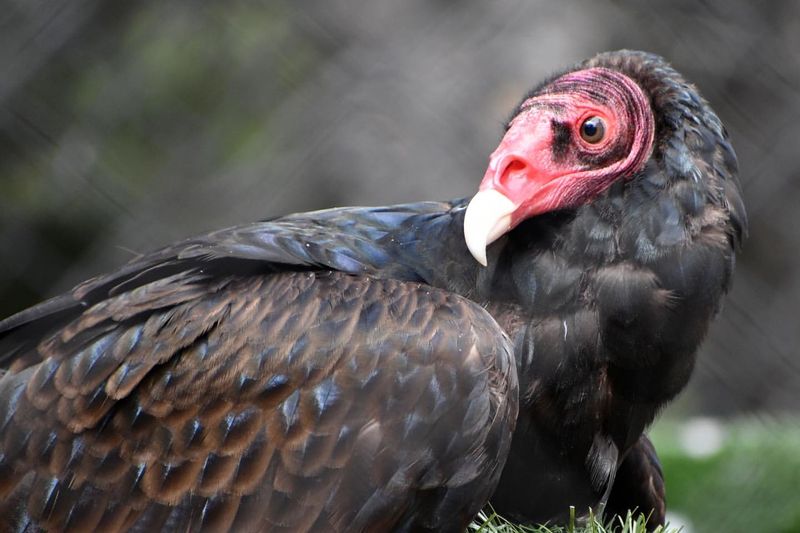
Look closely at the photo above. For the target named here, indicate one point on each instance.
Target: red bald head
(566, 145)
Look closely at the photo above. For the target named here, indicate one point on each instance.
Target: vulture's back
(205, 389)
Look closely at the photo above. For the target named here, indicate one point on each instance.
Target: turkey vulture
(358, 369)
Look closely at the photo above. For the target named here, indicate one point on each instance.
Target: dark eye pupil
(593, 130)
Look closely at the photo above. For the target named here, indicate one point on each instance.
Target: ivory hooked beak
(487, 218)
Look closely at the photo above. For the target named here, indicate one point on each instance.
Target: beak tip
(476, 247)
(480, 257)
(488, 217)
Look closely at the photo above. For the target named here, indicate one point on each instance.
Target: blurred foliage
(105, 119)
(749, 484)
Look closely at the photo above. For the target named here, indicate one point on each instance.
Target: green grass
(490, 522)
(750, 483)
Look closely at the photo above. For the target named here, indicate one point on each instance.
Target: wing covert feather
(294, 400)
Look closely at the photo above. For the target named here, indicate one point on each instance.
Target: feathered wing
(354, 240)
(294, 400)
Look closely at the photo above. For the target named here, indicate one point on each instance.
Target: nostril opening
(513, 172)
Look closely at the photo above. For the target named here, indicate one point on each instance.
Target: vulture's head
(581, 131)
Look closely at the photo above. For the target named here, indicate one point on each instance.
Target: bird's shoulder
(376, 241)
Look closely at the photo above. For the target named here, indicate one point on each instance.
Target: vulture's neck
(613, 298)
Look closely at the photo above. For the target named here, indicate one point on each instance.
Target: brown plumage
(246, 402)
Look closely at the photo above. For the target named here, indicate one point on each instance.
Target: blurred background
(128, 125)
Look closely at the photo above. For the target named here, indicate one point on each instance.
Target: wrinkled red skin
(525, 168)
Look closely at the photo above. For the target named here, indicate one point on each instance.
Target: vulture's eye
(593, 130)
